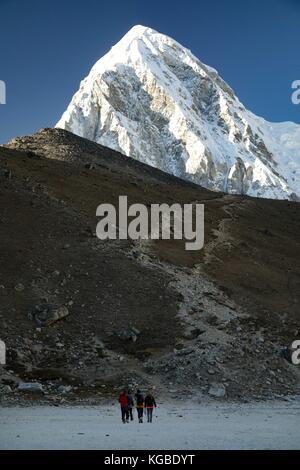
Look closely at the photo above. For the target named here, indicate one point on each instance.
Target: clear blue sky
(47, 47)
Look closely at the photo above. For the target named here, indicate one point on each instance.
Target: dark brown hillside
(219, 315)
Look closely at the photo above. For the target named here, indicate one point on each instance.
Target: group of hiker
(141, 403)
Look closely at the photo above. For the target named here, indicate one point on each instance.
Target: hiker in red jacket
(123, 400)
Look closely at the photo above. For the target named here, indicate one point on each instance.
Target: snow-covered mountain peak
(152, 99)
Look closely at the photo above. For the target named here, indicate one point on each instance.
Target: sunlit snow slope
(152, 99)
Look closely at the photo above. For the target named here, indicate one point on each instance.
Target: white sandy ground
(270, 425)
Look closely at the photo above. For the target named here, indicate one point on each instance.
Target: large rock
(46, 314)
(217, 391)
(127, 334)
(99, 347)
(64, 389)
(192, 333)
(5, 389)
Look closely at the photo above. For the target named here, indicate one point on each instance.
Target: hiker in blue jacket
(149, 405)
(130, 404)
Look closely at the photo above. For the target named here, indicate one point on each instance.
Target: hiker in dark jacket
(130, 404)
(139, 398)
(123, 400)
(149, 405)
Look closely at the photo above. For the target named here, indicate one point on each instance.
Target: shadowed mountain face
(152, 99)
(147, 312)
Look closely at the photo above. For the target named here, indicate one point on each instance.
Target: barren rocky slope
(147, 313)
